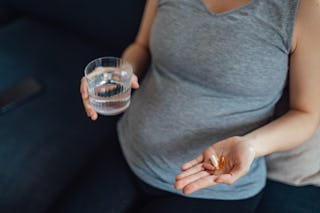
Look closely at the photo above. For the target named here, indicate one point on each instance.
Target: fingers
(209, 166)
(134, 82)
(94, 116)
(192, 163)
(83, 88)
(232, 176)
(189, 179)
(191, 171)
(89, 109)
(85, 100)
(201, 183)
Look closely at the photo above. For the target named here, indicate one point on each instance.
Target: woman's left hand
(237, 154)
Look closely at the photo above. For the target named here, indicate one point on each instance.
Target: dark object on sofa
(47, 145)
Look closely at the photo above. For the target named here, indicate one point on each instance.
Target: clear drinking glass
(109, 84)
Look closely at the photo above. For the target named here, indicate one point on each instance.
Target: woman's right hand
(85, 96)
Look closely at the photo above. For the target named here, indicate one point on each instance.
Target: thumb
(134, 82)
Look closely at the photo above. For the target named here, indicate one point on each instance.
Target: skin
(288, 131)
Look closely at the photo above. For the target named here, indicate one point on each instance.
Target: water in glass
(109, 90)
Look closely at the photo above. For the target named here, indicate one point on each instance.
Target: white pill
(214, 161)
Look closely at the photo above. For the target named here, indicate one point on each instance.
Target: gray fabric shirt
(212, 76)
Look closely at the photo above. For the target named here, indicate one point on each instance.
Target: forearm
(291, 130)
(138, 56)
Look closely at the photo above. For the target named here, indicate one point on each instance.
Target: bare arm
(138, 52)
(298, 124)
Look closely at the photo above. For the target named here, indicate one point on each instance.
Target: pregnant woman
(216, 71)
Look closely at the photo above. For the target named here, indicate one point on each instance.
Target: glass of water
(109, 84)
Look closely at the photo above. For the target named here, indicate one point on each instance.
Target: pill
(214, 161)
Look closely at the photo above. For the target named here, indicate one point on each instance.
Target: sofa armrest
(7, 12)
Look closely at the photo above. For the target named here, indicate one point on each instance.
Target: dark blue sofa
(49, 149)
(52, 157)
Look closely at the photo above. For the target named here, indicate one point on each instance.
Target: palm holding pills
(223, 162)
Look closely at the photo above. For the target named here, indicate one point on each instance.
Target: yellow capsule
(221, 161)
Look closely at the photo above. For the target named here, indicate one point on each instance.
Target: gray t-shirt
(212, 76)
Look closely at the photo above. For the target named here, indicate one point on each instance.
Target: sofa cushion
(45, 142)
(7, 13)
(112, 24)
(283, 198)
(106, 184)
